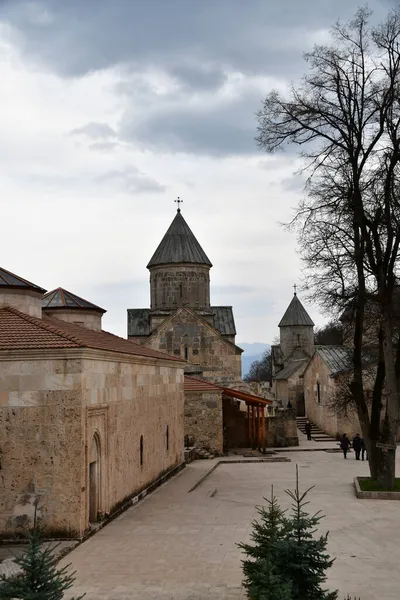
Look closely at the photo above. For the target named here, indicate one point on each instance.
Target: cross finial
(179, 202)
(295, 289)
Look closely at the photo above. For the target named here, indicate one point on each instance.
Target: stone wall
(281, 430)
(192, 339)
(173, 286)
(86, 318)
(296, 336)
(203, 419)
(318, 410)
(27, 301)
(126, 401)
(57, 415)
(41, 443)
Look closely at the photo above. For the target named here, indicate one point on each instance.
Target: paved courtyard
(182, 546)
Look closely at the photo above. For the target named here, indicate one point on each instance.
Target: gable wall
(205, 347)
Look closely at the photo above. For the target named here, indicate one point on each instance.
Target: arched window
(318, 393)
(186, 353)
(167, 438)
(141, 451)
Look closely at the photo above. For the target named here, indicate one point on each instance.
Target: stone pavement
(182, 546)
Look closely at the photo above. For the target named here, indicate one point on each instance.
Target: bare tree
(345, 117)
(261, 370)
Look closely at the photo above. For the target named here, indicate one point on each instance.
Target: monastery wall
(70, 435)
(127, 401)
(41, 444)
(320, 413)
(203, 419)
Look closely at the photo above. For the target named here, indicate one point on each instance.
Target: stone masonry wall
(296, 336)
(52, 411)
(41, 443)
(281, 430)
(174, 286)
(203, 419)
(187, 336)
(125, 401)
(27, 301)
(319, 412)
(88, 319)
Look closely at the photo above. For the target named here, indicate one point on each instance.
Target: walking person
(345, 444)
(357, 445)
(307, 429)
(363, 450)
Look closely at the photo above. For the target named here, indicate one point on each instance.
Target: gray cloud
(77, 37)
(132, 180)
(95, 131)
(224, 128)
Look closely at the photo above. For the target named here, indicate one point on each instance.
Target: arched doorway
(94, 479)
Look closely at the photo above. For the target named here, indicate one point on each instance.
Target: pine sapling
(263, 579)
(40, 579)
(306, 560)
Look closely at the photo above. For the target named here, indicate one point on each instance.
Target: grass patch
(371, 485)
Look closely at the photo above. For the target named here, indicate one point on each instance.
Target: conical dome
(296, 314)
(179, 245)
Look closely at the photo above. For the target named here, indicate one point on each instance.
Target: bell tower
(296, 330)
(179, 270)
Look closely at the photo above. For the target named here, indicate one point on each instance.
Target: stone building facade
(87, 419)
(181, 320)
(322, 381)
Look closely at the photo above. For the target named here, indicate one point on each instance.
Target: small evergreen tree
(305, 558)
(263, 580)
(40, 579)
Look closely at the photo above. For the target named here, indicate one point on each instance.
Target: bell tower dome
(296, 330)
(179, 270)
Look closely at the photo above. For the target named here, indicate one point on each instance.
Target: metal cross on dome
(179, 202)
(295, 289)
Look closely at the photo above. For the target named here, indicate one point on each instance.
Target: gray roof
(60, 298)
(139, 321)
(291, 368)
(336, 358)
(295, 314)
(223, 320)
(179, 245)
(10, 280)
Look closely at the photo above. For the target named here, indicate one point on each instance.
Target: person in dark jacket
(357, 445)
(307, 429)
(363, 450)
(345, 444)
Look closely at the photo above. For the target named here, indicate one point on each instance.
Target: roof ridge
(43, 325)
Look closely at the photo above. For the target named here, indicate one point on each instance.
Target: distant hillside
(251, 353)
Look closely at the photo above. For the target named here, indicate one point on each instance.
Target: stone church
(88, 421)
(181, 320)
(291, 356)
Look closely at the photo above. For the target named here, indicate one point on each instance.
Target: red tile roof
(19, 331)
(191, 384)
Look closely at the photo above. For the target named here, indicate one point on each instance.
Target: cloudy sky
(111, 109)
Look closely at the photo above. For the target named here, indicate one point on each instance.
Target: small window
(167, 438)
(186, 353)
(78, 323)
(318, 393)
(141, 451)
(298, 339)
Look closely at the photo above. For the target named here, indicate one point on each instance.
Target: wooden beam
(253, 437)
(263, 427)
(248, 425)
(258, 426)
